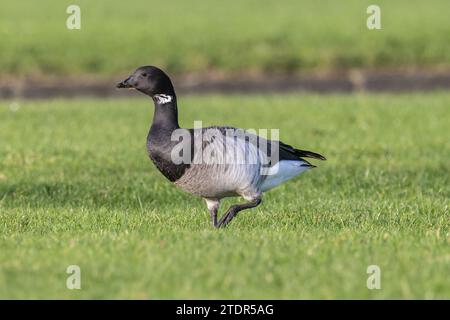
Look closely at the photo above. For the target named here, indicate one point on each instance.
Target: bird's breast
(160, 152)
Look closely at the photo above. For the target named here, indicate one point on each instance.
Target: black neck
(166, 114)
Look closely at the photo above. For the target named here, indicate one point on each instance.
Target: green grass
(76, 187)
(201, 35)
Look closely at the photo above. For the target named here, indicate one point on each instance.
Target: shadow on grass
(90, 195)
(153, 193)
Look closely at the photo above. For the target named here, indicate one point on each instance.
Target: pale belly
(220, 180)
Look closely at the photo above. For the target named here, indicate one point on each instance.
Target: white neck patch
(163, 98)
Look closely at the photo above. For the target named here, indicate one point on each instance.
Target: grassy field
(202, 35)
(76, 188)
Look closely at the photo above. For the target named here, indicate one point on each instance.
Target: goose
(213, 162)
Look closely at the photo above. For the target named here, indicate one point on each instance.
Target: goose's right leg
(234, 210)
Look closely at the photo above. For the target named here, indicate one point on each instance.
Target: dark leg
(213, 208)
(235, 209)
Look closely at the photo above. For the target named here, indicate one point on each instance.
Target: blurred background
(251, 45)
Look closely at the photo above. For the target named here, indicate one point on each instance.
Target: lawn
(77, 188)
(232, 36)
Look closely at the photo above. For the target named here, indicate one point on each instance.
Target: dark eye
(144, 75)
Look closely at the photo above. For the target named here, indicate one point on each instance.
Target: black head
(149, 80)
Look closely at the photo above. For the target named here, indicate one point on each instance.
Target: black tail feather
(309, 154)
(300, 153)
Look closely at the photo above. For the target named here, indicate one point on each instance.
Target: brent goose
(234, 164)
